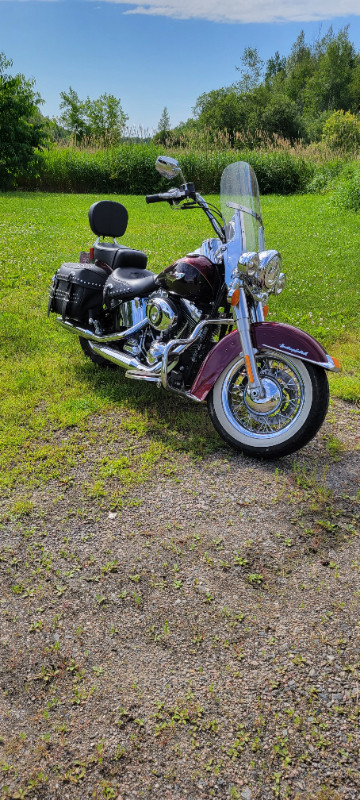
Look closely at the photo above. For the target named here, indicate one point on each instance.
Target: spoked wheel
(285, 419)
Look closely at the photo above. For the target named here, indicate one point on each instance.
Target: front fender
(265, 336)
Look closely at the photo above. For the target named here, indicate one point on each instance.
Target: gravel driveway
(198, 637)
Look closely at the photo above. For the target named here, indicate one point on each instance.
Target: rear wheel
(99, 360)
(292, 411)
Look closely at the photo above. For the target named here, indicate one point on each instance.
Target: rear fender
(265, 336)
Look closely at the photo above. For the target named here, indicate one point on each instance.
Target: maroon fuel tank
(193, 277)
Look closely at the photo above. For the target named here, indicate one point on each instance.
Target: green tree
(275, 66)
(100, 121)
(251, 70)
(21, 125)
(73, 116)
(105, 118)
(163, 128)
(280, 118)
(221, 110)
(300, 67)
(329, 87)
(164, 121)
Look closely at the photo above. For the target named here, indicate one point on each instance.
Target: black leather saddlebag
(75, 289)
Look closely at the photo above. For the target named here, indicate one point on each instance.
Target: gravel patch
(197, 638)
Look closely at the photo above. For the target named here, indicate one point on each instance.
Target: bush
(347, 195)
(326, 176)
(341, 131)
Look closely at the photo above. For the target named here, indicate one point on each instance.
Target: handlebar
(173, 194)
(187, 191)
(154, 198)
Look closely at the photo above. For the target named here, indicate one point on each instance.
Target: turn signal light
(266, 311)
(337, 363)
(248, 369)
(235, 297)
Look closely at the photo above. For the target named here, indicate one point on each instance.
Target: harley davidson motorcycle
(198, 328)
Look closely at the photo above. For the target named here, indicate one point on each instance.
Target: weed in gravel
(255, 578)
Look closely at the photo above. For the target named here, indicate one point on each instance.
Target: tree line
(312, 93)
(291, 97)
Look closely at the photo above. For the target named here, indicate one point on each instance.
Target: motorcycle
(198, 328)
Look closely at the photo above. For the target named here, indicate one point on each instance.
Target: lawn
(48, 385)
(177, 621)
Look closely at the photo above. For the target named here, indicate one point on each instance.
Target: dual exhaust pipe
(156, 372)
(100, 346)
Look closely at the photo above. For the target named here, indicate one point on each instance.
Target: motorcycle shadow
(175, 421)
(185, 426)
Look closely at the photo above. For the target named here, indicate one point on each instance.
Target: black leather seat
(127, 283)
(116, 255)
(106, 252)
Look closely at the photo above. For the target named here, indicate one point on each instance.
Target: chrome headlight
(280, 284)
(269, 268)
(249, 263)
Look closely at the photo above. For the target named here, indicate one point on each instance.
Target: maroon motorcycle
(198, 328)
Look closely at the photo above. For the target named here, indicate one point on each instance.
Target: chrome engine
(161, 312)
(162, 318)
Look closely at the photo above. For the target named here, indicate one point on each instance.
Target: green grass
(320, 247)
(49, 389)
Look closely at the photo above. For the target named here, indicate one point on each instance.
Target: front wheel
(292, 411)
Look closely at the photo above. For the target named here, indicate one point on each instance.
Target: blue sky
(157, 53)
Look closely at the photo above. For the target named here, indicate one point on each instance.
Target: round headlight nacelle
(269, 267)
(249, 263)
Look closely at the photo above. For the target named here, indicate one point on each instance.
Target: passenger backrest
(108, 218)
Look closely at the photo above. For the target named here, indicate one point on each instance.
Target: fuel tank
(193, 277)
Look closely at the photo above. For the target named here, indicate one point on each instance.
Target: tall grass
(281, 167)
(129, 169)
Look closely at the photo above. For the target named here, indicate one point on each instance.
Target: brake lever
(189, 205)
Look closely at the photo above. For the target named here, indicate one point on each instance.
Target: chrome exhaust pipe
(121, 359)
(93, 337)
(124, 360)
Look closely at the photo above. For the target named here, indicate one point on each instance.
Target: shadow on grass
(184, 426)
(178, 423)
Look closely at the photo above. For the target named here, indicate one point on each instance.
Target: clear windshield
(239, 197)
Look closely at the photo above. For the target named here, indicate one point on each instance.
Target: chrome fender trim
(276, 336)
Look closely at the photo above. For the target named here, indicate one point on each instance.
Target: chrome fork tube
(241, 317)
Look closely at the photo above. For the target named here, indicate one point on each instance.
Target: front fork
(239, 306)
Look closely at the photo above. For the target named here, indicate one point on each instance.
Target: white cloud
(240, 10)
(246, 10)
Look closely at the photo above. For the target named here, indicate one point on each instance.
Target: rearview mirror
(168, 167)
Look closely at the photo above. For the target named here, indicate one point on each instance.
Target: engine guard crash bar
(178, 346)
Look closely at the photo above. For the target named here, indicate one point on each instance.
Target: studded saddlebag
(75, 289)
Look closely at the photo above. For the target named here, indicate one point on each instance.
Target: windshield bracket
(246, 210)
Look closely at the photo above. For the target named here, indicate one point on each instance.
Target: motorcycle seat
(117, 255)
(125, 283)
